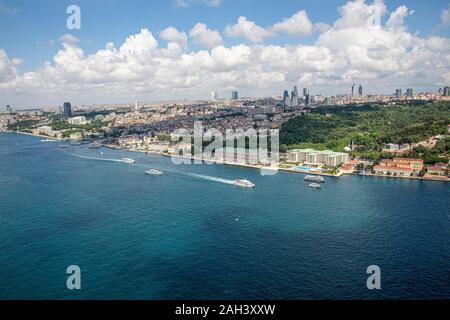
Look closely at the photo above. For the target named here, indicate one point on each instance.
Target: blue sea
(190, 234)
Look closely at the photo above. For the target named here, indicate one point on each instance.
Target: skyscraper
(234, 95)
(307, 100)
(305, 92)
(446, 92)
(214, 96)
(398, 93)
(353, 90)
(409, 92)
(67, 110)
(294, 97)
(360, 90)
(285, 97)
(9, 109)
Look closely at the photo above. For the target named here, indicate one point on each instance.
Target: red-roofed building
(392, 170)
(439, 169)
(416, 165)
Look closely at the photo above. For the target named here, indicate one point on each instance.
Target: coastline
(248, 166)
(36, 135)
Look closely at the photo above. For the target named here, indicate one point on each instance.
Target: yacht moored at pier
(317, 179)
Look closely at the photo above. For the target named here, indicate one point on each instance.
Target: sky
(185, 49)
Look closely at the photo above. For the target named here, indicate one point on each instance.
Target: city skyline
(253, 53)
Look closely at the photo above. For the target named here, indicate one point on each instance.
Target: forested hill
(369, 126)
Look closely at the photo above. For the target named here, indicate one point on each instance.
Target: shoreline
(36, 135)
(248, 166)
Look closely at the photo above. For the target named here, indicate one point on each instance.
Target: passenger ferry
(244, 183)
(315, 185)
(153, 172)
(317, 179)
(127, 160)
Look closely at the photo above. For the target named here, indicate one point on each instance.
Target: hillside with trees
(369, 127)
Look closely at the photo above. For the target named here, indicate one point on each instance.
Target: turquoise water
(190, 234)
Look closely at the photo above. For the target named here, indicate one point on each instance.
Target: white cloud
(248, 30)
(359, 14)
(321, 27)
(297, 25)
(397, 18)
(68, 38)
(8, 66)
(205, 37)
(171, 34)
(355, 49)
(445, 16)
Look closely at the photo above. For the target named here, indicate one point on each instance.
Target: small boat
(63, 146)
(95, 145)
(47, 140)
(316, 179)
(269, 171)
(153, 172)
(315, 185)
(101, 153)
(243, 183)
(127, 160)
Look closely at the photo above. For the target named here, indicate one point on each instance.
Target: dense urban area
(398, 135)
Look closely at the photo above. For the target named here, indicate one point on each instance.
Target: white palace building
(316, 158)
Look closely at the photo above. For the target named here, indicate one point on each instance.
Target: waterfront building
(77, 121)
(67, 110)
(395, 171)
(236, 155)
(416, 165)
(439, 169)
(316, 158)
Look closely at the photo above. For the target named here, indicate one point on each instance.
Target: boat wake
(209, 178)
(193, 175)
(95, 159)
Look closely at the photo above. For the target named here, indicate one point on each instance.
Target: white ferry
(153, 172)
(244, 183)
(315, 185)
(127, 160)
(316, 179)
